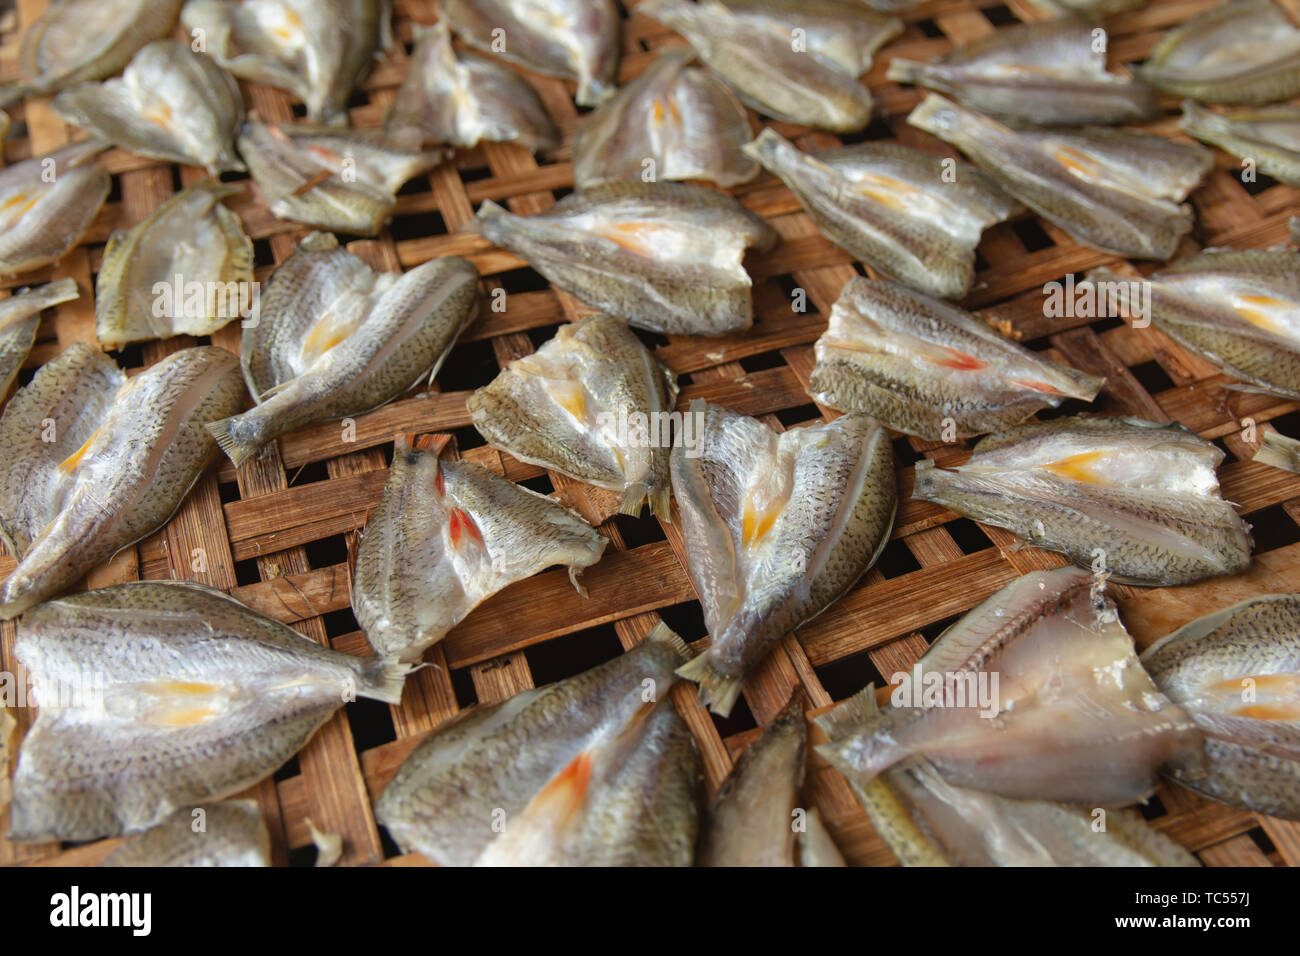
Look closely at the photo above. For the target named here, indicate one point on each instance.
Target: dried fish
(1269, 138)
(47, 203)
(816, 847)
(1279, 451)
(20, 317)
(7, 727)
(1091, 10)
(216, 834)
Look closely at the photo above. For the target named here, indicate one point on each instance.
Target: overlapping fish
(794, 60)
(1091, 10)
(448, 535)
(1115, 190)
(894, 207)
(333, 337)
(674, 121)
(664, 256)
(592, 403)
(47, 203)
(1036, 694)
(171, 104)
(1140, 500)
(461, 98)
(777, 527)
(1269, 138)
(928, 368)
(216, 834)
(158, 695)
(1280, 451)
(20, 317)
(1049, 72)
(595, 770)
(191, 246)
(97, 461)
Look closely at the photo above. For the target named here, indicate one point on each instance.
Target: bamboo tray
(277, 534)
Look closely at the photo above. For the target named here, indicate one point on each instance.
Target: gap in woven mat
(542, 334)
(572, 654)
(390, 849)
(228, 491)
(968, 536)
(761, 361)
(462, 682)
(474, 173)
(303, 856)
(1152, 377)
(467, 437)
(299, 111)
(1288, 424)
(326, 553)
(538, 483)
(114, 189)
(896, 560)
(1272, 528)
(642, 529)
(339, 622)
(929, 28)
(130, 357)
(288, 770)
(878, 128)
(932, 631)
(416, 187)
(740, 720)
(522, 279)
(247, 572)
(686, 619)
(999, 15)
(981, 264)
(1262, 840)
(371, 722)
(1153, 808)
(309, 474)
(1031, 235)
(469, 365)
(651, 340)
(845, 677)
(1067, 408)
(262, 253)
(905, 452)
(1261, 183)
(562, 191)
(789, 417)
(417, 226)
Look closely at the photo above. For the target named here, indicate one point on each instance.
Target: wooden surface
(277, 533)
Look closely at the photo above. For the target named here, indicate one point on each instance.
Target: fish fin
(1278, 450)
(849, 716)
(1252, 389)
(487, 211)
(574, 571)
(660, 506)
(237, 451)
(634, 498)
(718, 691)
(661, 633)
(319, 242)
(384, 678)
(903, 71)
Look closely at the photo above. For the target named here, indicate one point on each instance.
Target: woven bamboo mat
(277, 534)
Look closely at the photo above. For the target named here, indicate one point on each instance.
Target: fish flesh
(447, 536)
(1114, 190)
(927, 368)
(75, 41)
(47, 203)
(317, 50)
(20, 317)
(572, 39)
(194, 697)
(1090, 10)
(171, 104)
(674, 121)
(216, 834)
(1240, 309)
(1237, 672)
(911, 216)
(334, 338)
(816, 846)
(1135, 498)
(186, 269)
(462, 98)
(1035, 694)
(1051, 72)
(1269, 138)
(793, 60)
(1243, 52)
(777, 527)
(98, 462)
(592, 403)
(1280, 451)
(596, 770)
(338, 179)
(664, 256)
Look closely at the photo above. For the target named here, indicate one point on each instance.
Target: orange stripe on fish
(1267, 712)
(1036, 386)
(1080, 467)
(564, 793)
(957, 359)
(73, 460)
(460, 525)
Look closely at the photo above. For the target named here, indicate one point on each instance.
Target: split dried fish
(1115, 190)
(1049, 72)
(186, 269)
(592, 403)
(47, 203)
(171, 104)
(216, 834)
(20, 317)
(1138, 498)
(1269, 138)
(674, 121)
(587, 771)
(664, 256)
(335, 338)
(1036, 694)
(928, 368)
(778, 526)
(97, 461)
(1243, 52)
(194, 697)
(447, 536)
(793, 60)
(1279, 451)
(462, 98)
(572, 39)
(1091, 10)
(893, 207)
(1237, 672)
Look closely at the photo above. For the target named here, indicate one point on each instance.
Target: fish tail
(1279, 451)
(574, 571)
(661, 633)
(939, 116)
(634, 496)
(718, 690)
(238, 450)
(851, 715)
(660, 499)
(384, 678)
(903, 71)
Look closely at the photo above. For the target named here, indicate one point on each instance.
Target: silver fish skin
(448, 535)
(333, 337)
(124, 456)
(1237, 672)
(318, 50)
(571, 407)
(748, 43)
(1279, 451)
(1269, 137)
(928, 368)
(193, 236)
(778, 526)
(462, 98)
(171, 104)
(557, 745)
(664, 256)
(1114, 190)
(816, 846)
(47, 203)
(892, 207)
(572, 39)
(1242, 52)
(1089, 10)
(1143, 495)
(232, 834)
(681, 117)
(20, 317)
(194, 697)
(1240, 309)
(1073, 717)
(1044, 73)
